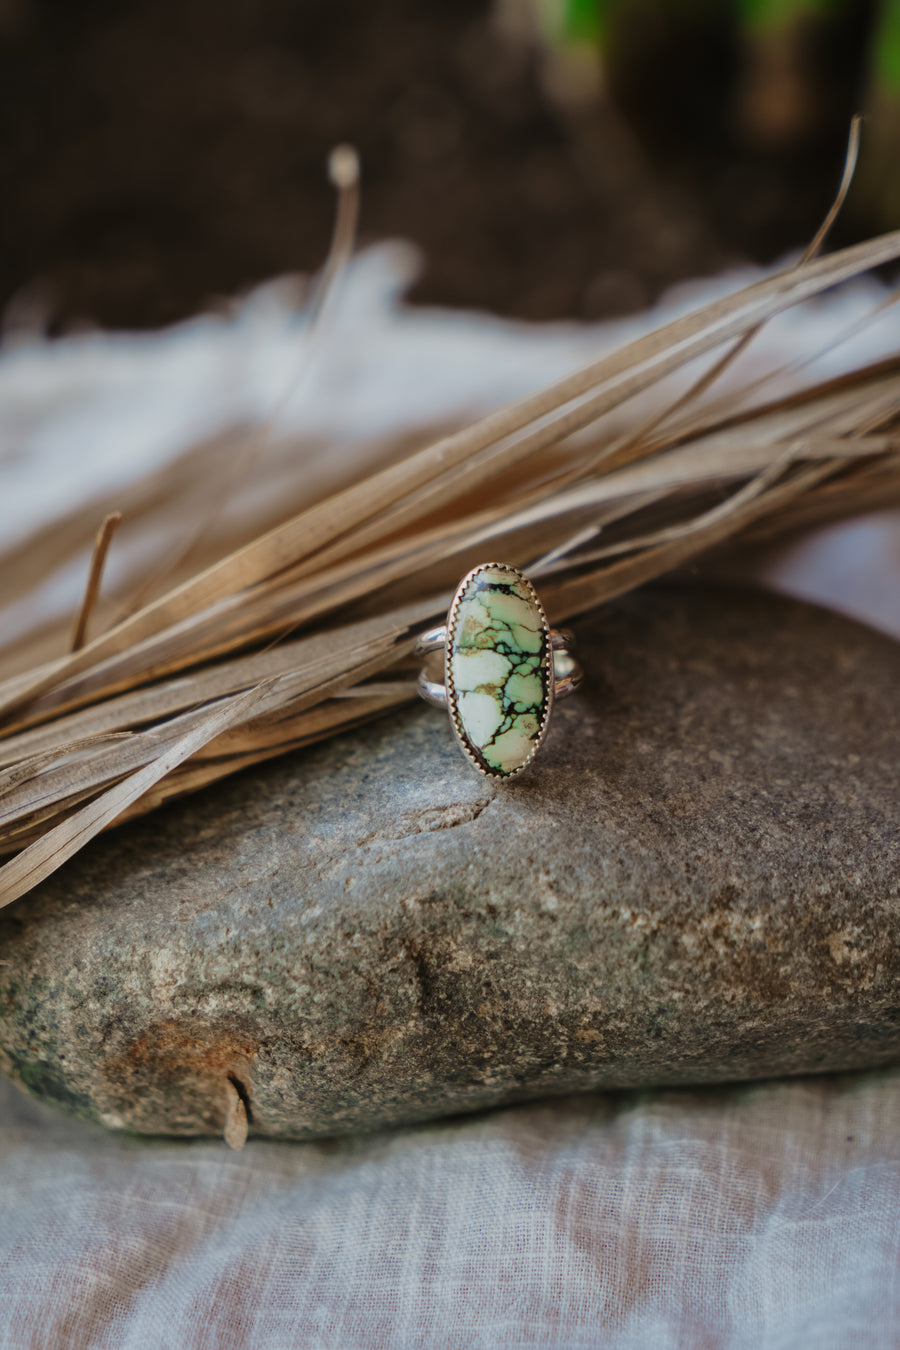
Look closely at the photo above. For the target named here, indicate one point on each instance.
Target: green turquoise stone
(498, 668)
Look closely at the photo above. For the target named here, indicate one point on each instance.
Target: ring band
(504, 667)
(568, 674)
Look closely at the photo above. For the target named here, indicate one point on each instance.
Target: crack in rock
(426, 820)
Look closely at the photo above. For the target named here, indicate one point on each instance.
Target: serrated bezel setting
(466, 590)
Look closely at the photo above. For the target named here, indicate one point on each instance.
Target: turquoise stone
(498, 668)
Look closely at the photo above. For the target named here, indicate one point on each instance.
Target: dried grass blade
(327, 649)
(246, 744)
(866, 487)
(95, 576)
(42, 858)
(699, 387)
(736, 403)
(566, 599)
(34, 763)
(723, 511)
(327, 663)
(106, 759)
(324, 720)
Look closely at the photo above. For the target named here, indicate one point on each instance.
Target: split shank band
(568, 675)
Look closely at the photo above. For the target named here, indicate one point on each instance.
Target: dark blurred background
(159, 154)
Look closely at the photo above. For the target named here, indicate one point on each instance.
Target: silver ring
(504, 667)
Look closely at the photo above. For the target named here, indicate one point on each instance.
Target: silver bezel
(547, 672)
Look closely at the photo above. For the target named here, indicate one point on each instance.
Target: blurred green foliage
(886, 48)
(794, 68)
(588, 23)
(584, 21)
(781, 13)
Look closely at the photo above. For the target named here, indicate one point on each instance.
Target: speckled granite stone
(698, 879)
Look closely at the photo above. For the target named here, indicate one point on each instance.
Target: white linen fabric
(747, 1218)
(762, 1217)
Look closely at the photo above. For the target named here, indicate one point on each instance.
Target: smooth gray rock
(697, 880)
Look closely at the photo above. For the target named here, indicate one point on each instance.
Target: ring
(504, 667)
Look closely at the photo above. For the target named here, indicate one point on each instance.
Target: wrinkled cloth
(763, 1217)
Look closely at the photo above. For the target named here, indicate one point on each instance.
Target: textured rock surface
(697, 880)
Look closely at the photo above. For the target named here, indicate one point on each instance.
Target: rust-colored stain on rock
(181, 1068)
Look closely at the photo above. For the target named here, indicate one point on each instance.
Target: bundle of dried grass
(307, 626)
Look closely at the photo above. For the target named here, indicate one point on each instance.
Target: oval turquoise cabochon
(499, 668)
